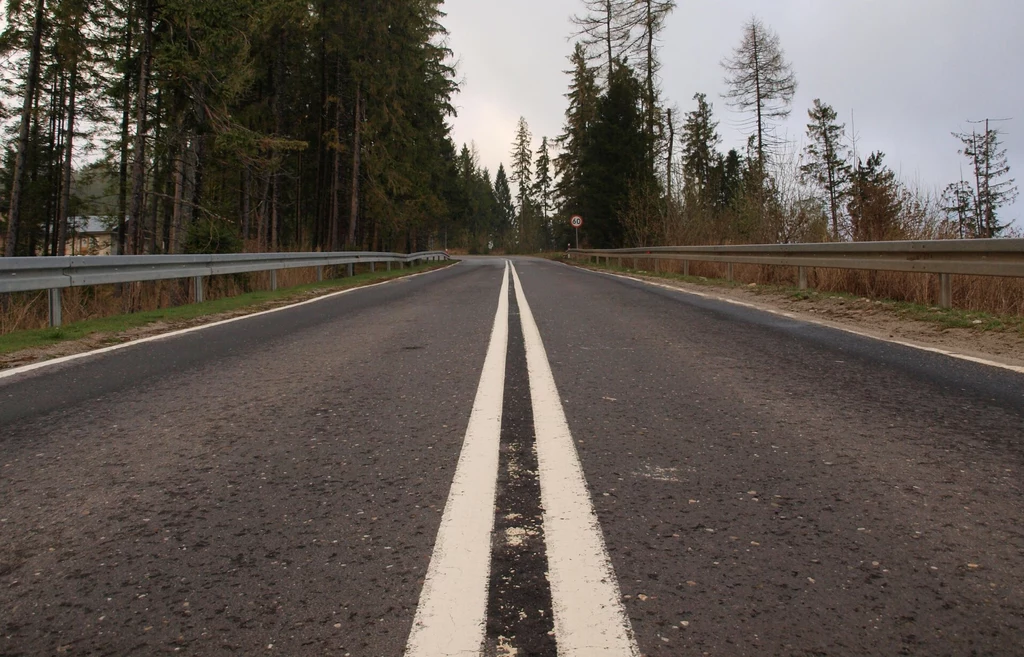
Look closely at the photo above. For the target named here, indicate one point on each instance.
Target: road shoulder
(880, 320)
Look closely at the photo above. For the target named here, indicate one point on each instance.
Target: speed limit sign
(576, 221)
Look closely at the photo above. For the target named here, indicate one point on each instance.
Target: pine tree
(543, 186)
(826, 158)
(616, 159)
(505, 227)
(875, 201)
(761, 81)
(522, 175)
(700, 148)
(580, 117)
(958, 204)
(992, 188)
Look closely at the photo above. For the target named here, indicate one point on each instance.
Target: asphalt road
(275, 485)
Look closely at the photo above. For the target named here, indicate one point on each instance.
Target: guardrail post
(350, 270)
(273, 280)
(320, 274)
(801, 274)
(197, 287)
(729, 273)
(53, 296)
(945, 290)
(620, 263)
(686, 267)
(634, 263)
(389, 265)
(373, 267)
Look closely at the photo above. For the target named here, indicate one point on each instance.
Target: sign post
(576, 221)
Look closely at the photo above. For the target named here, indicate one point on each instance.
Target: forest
(227, 125)
(200, 126)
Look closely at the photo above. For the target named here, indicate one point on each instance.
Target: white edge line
(587, 604)
(451, 615)
(935, 350)
(163, 336)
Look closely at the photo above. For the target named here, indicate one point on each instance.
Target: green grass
(115, 324)
(945, 318)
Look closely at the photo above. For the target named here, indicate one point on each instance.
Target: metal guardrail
(987, 257)
(56, 273)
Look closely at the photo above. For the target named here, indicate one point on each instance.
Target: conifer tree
(875, 201)
(648, 18)
(542, 186)
(31, 81)
(522, 175)
(604, 29)
(574, 142)
(760, 80)
(506, 212)
(826, 163)
(992, 188)
(616, 159)
(700, 147)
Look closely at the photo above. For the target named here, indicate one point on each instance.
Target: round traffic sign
(576, 221)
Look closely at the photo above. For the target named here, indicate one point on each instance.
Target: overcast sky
(910, 71)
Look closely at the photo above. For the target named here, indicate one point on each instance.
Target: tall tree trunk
(126, 103)
(151, 227)
(179, 193)
(321, 224)
(608, 36)
(650, 77)
(26, 116)
(356, 152)
(49, 228)
(58, 161)
(298, 204)
(246, 200)
(261, 214)
(139, 147)
(671, 143)
(335, 209)
(275, 200)
(65, 200)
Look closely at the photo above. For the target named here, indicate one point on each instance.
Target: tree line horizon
(266, 125)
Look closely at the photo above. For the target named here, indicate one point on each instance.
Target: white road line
(163, 336)
(809, 320)
(589, 618)
(452, 613)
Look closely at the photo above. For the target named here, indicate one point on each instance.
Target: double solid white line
(588, 615)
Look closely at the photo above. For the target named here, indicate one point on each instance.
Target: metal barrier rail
(55, 273)
(987, 257)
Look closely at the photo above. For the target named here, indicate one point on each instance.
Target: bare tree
(648, 17)
(760, 80)
(605, 28)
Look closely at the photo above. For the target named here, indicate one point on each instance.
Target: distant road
(528, 457)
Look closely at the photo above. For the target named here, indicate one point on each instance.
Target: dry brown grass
(999, 296)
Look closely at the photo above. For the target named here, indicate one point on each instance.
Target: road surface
(534, 459)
